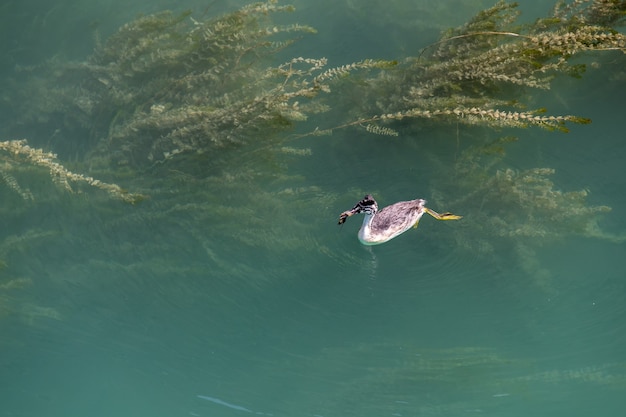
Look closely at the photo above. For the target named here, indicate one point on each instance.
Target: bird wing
(397, 218)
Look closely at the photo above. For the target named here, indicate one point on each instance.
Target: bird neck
(367, 219)
(367, 222)
(366, 229)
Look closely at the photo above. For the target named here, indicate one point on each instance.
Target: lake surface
(250, 300)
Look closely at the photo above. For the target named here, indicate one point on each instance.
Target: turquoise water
(212, 300)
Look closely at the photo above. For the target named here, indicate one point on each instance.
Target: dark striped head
(368, 206)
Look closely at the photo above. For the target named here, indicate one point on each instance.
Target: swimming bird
(381, 226)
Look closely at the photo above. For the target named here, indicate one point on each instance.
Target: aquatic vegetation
(480, 72)
(165, 85)
(513, 213)
(194, 113)
(520, 204)
(18, 153)
(188, 112)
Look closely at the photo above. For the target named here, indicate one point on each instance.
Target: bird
(382, 226)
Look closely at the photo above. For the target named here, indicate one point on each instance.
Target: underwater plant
(16, 154)
(167, 84)
(519, 203)
(194, 112)
(478, 73)
(514, 212)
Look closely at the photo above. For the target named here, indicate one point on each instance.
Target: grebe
(381, 226)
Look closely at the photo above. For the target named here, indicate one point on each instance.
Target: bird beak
(343, 216)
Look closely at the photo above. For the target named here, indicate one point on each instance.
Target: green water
(173, 308)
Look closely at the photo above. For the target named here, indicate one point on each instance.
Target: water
(233, 300)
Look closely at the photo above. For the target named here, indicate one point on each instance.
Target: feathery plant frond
(344, 70)
(166, 85)
(524, 203)
(476, 73)
(19, 152)
(378, 130)
(605, 13)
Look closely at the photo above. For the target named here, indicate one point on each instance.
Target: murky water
(233, 301)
